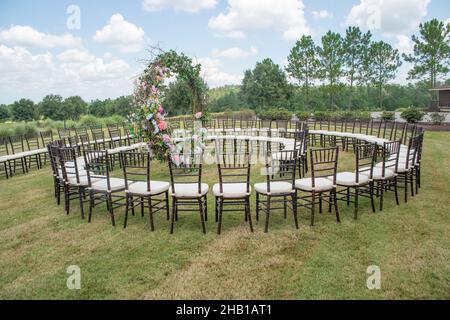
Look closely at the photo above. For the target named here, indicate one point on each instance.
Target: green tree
(266, 85)
(178, 98)
(98, 108)
(23, 110)
(331, 60)
(302, 64)
(120, 106)
(4, 112)
(73, 108)
(386, 62)
(51, 107)
(431, 56)
(355, 45)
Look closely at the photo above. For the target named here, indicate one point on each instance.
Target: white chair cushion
(83, 180)
(377, 173)
(140, 187)
(283, 155)
(117, 184)
(320, 184)
(189, 190)
(232, 190)
(276, 188)
(348, 179)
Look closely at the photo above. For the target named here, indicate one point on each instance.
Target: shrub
(321, 115)
(364, 115)
(388, 115)
(4, 131)
(275, 114)
(437, 118)
(303, 115)
(245, 114)
(89, 121)
(412, 115)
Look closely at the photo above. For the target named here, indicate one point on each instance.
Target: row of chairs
(23, 152)
(27, 151)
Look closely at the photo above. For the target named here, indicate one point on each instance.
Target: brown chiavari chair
(102, 187)
(279, 187)
(187, 190)
(421, 133)
(282, 128)
(33, 150)
(17, 150)
(140, 189)
(360, 182)
(5, 158)
(385, 172)
(323, 163)
(407, 164)
(46, 138)
(233, 188)
(58, 183)
(74, 178)
(265, 126)
(81, 130)
(98, 137)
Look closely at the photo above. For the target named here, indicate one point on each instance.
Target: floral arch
(148, 119)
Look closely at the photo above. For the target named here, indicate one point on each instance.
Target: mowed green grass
(410, 243)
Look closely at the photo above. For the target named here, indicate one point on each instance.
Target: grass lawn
(410, 243)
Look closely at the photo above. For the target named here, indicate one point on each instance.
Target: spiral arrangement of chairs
(298, 160)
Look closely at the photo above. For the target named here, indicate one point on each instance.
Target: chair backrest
(365, 155)
(5, 147)
(98, 135)
(17, 143)
(421, 133)
(282, 125)
(81, 130)
(389, 156)
(412, 152)
(185, 167)
(53, 151)
(265, 124)
(46, 137)
(282, 168)
(64, 133)
(234, 167)
(136, 166)
(32, 142)
(188, 124)
(68, 164)
(97, 165)
(324, 163)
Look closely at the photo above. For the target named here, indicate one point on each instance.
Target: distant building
(443, 99)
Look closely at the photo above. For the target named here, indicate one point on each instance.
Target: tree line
(72, 108)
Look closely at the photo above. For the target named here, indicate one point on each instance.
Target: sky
(96, 48)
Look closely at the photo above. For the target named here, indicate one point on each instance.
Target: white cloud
(234, 53)
(183, 5)
(30, 37)
(447, 21)
(214, 76)
(72, 72)
(404, 44)
(285, 16)
(121, 34)
(391, 17)
(322, 14)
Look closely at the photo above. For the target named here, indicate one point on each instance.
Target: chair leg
(356, 203)
(206, 208)
(320, 202)
(248, 213)
(313, 207)
(396, 191)
(91, 205)
(372, 202)
(220, 209)
(257, 207)
(285, 207)
(266, 228)
(150, 209)
(216, 204)
(381, 185)
(336, 208)
(411, 181)
(142, 207)
(174, 208)
(201, 215)
(80, 194)
(294, 207)
(127, 206)
(406, 187)
(111, 209)
(166, 195)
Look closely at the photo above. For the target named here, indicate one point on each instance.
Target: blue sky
(40, 55)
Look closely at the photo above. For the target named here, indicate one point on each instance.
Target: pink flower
(198, 115)
(161, 110)
(162, 125)
(166, 138)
